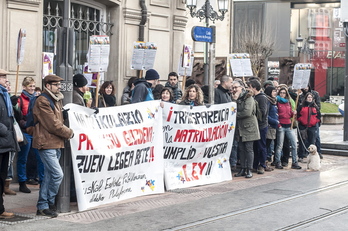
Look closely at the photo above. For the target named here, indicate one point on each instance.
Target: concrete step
(341, 146)
(336, 152)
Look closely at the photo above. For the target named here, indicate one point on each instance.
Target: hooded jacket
(247, 125)
(141, 90)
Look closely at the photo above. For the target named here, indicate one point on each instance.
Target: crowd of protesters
(267, 107)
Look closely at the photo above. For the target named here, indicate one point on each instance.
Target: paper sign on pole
(47, 63)
(98, 53)
(117, 153)
(144, 55)
(22, 35)
(240, 64)
(92, 77)
(302, 72)
(197, 144)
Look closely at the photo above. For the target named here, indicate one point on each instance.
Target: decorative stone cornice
(131, 15)
(179, 22)
(34, 2)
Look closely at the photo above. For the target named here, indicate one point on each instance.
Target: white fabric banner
(197, 144)
(117, 153)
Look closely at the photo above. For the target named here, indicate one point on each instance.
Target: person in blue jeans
(23, 101)
(285, 113)
(49, 134)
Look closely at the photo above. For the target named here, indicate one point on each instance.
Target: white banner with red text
(116, 153)
(197, 144)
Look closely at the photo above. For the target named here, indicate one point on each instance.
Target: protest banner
(197, 144)
(116, 153)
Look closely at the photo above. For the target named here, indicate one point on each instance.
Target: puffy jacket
(49, 131)
(176, 91)
(308, 115)
(273, 119)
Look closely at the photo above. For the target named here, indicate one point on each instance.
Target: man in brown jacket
(48, 137)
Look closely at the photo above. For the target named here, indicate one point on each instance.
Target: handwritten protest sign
(117, 153)
(197, 144)
(302, 72)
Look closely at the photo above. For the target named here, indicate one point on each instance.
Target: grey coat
(247, 125)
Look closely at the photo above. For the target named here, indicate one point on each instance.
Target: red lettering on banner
(84, 138)
(193, 176)
(138, 136)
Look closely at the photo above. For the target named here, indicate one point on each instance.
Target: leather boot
(248, 173)
(23, 187)
(240, 173)
(7, 189)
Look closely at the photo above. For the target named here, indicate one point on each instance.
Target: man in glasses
(48, 137)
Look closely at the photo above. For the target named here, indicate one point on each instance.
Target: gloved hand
(65, 114)
(14, 100)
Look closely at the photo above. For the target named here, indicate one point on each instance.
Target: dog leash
(303, 144)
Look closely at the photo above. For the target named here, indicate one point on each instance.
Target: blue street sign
(202, 34)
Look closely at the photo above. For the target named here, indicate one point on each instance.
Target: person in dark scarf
(107, 96)
(271, 94)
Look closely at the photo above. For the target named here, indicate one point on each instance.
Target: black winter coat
(8, 140)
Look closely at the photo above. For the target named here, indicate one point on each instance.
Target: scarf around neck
(5, 94)
(27, 94)
(110, 100)
(281, 100)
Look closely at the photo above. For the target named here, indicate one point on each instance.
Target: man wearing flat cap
(80, 87)
(48, 137)
(143, 87)
(8, 141)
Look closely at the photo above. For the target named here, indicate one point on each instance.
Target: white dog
(313, 163)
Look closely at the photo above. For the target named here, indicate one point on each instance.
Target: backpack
(30, 116)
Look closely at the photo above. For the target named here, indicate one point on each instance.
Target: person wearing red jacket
(308, 117)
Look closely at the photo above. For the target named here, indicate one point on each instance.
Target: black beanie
(151, 74)
(79, 80)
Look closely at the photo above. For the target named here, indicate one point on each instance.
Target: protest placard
(240, 64)
(117, 153)
(144, 54)
(197, 144)
(302, 72)
(98, 53)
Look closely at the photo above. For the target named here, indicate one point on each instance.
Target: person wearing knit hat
(143, 86)
(80, 87)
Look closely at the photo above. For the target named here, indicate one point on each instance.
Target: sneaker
(32, 182)
(278, 166)
(296, 166)
(6, 215)
(46, 212)
(284, 164)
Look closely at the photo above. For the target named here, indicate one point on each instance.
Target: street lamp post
(311, 44)
(299, 43)
(208, 13)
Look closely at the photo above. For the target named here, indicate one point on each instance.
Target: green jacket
(247, 125)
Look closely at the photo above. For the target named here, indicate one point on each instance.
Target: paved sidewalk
(25, 204)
